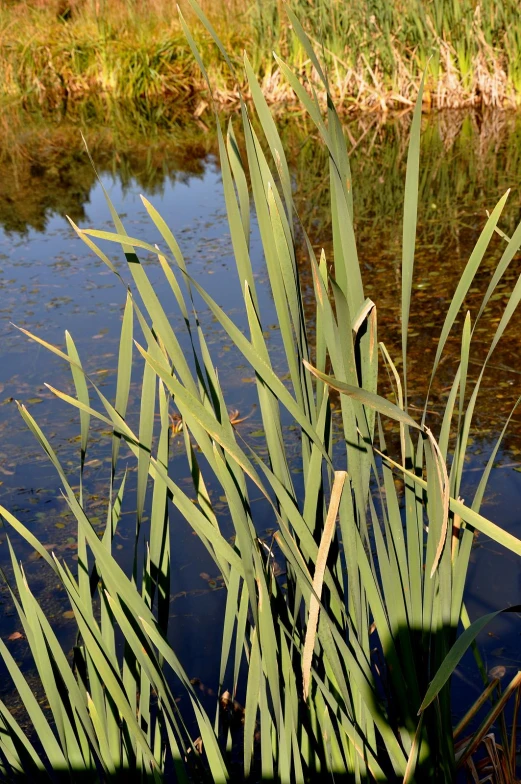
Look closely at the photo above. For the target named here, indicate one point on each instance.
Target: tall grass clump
(374, 50)
(123, 49)
(344, 668)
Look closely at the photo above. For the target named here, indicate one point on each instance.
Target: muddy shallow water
(49, 282)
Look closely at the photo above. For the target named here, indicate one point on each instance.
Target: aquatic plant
(348, 656)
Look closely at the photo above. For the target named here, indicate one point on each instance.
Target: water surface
(50, 282)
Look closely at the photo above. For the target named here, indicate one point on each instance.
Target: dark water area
(50, 282)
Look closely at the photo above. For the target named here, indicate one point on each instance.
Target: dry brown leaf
(318, 579)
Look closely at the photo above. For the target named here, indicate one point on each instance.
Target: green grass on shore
(120, 48)
(375, 50)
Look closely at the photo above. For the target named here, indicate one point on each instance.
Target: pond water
(50, 282)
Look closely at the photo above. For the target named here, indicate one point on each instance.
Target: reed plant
(348, 658)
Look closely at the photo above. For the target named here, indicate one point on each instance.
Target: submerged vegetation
(374, 51)
(339, 663)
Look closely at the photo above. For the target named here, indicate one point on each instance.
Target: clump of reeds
(348, 659)
(373, 50)
(123, 49)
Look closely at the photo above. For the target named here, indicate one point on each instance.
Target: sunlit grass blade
(466, 279)
(479, 522)
(146, 430)
(46, 736)
(272, 135)
(82, 393)
(369, 399)
(252, 700)
(410, 217)
(236, 218)
(239, 178)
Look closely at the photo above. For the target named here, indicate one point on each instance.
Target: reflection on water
(49, 283)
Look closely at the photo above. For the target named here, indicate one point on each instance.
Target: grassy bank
(56, 50)
(375, 51)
